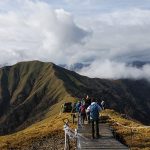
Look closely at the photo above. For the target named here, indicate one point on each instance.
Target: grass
(52, 127)
(140, 139)
(48, 128)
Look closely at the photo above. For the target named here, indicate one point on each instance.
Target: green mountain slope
(28, 90)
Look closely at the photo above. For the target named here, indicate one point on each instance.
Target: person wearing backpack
(77, 107)
(87, 104)
(83, 113)
(94, 110)
(102, 104)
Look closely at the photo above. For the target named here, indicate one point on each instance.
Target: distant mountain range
(28, 90)
(74, 67)
(138, 64)
(78, 66)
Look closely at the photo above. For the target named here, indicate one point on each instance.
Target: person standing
(94, 110)
(77, 107)
(87, 104)
(103, 104)
(83, 113)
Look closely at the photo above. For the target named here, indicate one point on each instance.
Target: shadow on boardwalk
(105, 142)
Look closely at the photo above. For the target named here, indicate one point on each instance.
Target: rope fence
(132, 129)
(129, 127)
(70, 134)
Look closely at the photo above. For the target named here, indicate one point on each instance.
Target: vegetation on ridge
(140, 139)
(50, 129)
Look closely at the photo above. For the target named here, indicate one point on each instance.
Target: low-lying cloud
(116, 70)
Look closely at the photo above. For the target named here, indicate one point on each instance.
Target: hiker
(78, 104)
(62, 108)
(73, 112)
(73, 108)
(82, 101)
(82, 112)
(87, 104)
(102, 104)
(94, 110)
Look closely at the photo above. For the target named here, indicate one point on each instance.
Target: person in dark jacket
(78, 104)
(87, 104)
(83, 113)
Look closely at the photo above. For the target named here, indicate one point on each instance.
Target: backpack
(94, 112)
(82, 109)
(78, 106)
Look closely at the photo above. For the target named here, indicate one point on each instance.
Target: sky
(107, 34)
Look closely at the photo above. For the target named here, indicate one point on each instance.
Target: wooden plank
(106, 141)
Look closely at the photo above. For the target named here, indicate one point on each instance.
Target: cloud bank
(116, 70)
(36, 31)
(48, 31)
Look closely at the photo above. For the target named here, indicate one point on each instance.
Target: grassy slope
(27, 92)
(51, 127)
(34, 78)
(140, 138)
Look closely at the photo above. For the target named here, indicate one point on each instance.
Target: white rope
(69, 132)
(142, 127)
(129, 127)
(72, 134)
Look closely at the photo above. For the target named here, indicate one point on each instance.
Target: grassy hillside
(50, 129)
(27, 92)
(140, 139)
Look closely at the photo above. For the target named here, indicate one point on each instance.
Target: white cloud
(36, 31)
(123, 33)
(115, 70)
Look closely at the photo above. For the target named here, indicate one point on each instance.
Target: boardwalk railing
(69, 134)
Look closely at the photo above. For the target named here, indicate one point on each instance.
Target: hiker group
(89, 109)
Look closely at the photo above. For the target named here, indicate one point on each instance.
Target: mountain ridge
(28, 90)
(22, 95)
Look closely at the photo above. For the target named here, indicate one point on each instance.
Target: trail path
(105, 142)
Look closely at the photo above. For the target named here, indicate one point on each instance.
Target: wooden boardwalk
(105, 142)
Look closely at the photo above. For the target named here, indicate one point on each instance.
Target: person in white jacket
(94, 110)
(102, 104)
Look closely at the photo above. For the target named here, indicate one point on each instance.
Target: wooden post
(65, 148)
(73, 117)
(67, 142)
(76, 134)
(131, 139)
